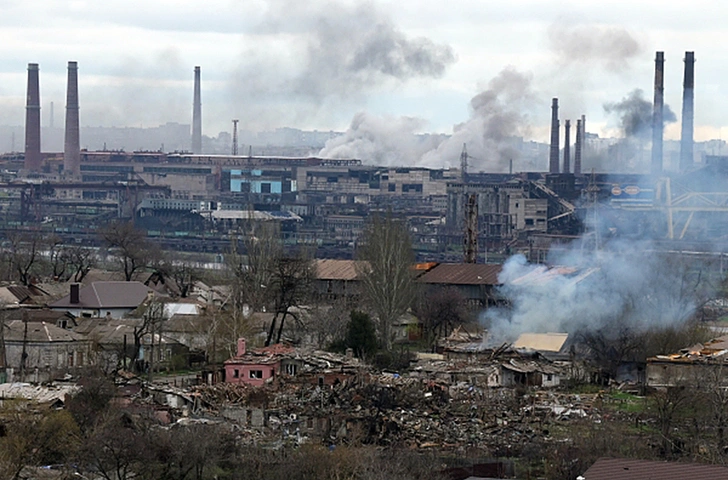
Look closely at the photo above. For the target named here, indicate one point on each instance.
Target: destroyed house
(690, 365)
(259, 366)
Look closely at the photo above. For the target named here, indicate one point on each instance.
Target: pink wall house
(256, 367)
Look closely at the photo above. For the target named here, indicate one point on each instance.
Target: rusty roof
(328, 269)
(630, 469)
(463, 274)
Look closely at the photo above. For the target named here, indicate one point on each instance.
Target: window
(392, 187)
(70, 359)
(291, 368)
(236, 373)
(256, 374)
(549, 377)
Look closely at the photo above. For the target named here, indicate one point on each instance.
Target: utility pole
(3, 356)
(235, 137)
(470, 238)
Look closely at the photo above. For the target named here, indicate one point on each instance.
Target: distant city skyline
(317, 65)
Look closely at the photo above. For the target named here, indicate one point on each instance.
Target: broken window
(291, 368)
(256, 373)
(236, 373)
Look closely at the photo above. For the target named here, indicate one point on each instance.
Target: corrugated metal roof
(327, 269)
(463, 274)
(629, 469)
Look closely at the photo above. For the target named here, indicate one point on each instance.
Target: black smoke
(635, 115)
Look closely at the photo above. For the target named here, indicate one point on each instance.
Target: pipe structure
(33, 157)
(72, 144)
(554, 150)
(567, 147)
(658, 114)
(197, 116)
(577, 147)
(688, 113)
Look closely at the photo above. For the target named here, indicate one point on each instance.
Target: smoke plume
(497, 116)
(609, 47)
(589, 291)
(341, 52)
(635, 115)
(386, 141)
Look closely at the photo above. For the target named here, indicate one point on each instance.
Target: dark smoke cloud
(608, 46)
(635, 115)
(346, 51)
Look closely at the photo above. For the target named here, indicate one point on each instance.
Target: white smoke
(627, 282)
(496, 118)
(386, 141)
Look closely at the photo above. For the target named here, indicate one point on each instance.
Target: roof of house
(17, 294)
(328, 269)
(107, 295)
(38, 332)
(545, 342)
(629, 469)
(463, 274)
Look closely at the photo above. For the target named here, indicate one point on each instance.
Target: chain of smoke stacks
(554, 147)
(686, 134)
(72, 143)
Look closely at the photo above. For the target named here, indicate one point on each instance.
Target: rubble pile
(390, 410)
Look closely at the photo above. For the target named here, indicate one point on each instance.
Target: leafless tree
(387, 277)
(440, 311)
(251, 273)
(290, 285)
(182, 274)
(25, 255)
(134, 252)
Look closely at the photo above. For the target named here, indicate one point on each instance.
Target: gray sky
(316, 64)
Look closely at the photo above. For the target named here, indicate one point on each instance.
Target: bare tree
(252, 272)
(69, 261)
(440, 311)
(290, 285)
(25, 255)
(386, 276)
(134, 252)
(182, 274)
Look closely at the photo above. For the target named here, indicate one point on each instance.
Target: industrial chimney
(567, 146)
(33, 158)
(657, 114)
(197, 116)
(577, 147)
(686, 137)
(72, 145)
(554, 151)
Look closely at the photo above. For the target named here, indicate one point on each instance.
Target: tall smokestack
(32, 120)
(686, 137)
(657, 114)
(72, 146)
(554, 152)
(197, 116)
(567, 146)
(577, 147)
